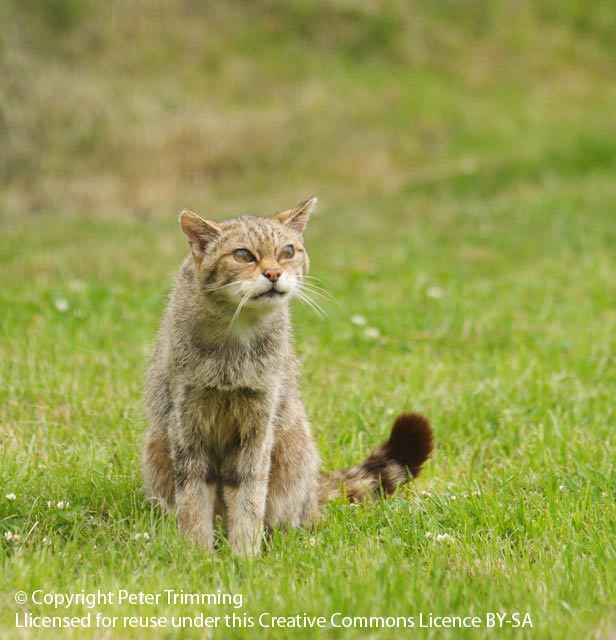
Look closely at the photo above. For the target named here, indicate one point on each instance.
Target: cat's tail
(389, 466)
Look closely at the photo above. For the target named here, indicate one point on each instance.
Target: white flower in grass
(439, 537)
(444, 537)
(141, 536)
(46, 541)
(426, 494)
(604, 494)
(61, 305)
(358, 320)
(12, 537)
(312, 542)
(61, 504)
(372, 332)
(562, 487)
(434, 292)
(10, 496)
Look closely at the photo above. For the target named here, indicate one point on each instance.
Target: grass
(466, 180)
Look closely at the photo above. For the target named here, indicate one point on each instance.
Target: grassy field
(464, 155)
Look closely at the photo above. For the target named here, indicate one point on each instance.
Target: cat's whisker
(307, 293)
(307, 289)
(307, 277)
(317, 291)
(305, 281)
(314, 304)
(306, 304)
(302, 296)
(236, 315)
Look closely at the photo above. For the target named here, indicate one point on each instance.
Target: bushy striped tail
(389, 466)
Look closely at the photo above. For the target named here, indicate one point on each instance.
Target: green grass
(513, 363)
(468, 214)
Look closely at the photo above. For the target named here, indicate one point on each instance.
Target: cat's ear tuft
(199, 232)
(297, 217)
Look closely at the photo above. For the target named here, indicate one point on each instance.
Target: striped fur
(389, 466)
(227, 431)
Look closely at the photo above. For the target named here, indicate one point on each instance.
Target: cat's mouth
(270, 293)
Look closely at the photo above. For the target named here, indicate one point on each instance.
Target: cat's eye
(243, 255)
(287, 252)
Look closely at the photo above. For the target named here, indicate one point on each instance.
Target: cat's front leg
(195, 502)
(245, 505)
(245, 497)
(195, 497)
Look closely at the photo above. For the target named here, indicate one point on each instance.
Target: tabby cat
(227, 431)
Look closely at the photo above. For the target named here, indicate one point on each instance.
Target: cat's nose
(272, 273)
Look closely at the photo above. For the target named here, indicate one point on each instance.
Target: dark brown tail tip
(410, 442)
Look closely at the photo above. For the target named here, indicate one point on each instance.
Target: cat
(227, 431)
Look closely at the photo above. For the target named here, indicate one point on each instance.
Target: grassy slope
(468, 215)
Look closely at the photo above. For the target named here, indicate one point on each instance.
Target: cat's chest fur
(230, 392)
(234, 368)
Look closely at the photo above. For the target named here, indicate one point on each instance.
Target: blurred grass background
(142, 108)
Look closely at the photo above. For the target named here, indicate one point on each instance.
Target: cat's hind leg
(157, 467)
(292, 495)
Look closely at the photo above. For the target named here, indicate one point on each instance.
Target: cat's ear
(297, 217)
(199, 232)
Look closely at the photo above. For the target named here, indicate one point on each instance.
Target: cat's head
(251, 262)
